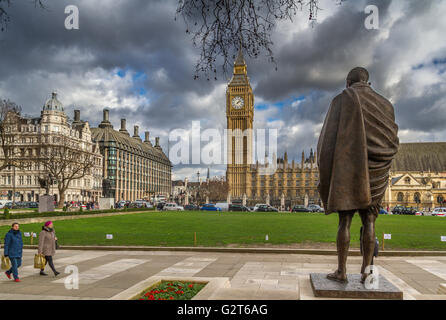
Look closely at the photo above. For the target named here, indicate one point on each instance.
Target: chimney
(123, 127)
(77, 115)
(136, 133)
(105, 122)
(106, 115)
(147, 138)
(157, 142)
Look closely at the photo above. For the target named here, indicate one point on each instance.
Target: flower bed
(172, 290)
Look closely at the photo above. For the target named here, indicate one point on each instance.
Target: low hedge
(64, 213)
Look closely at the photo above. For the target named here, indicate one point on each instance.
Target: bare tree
(10, 155)
(219, 26)
(64, 161)
(217, 189)
(4, 15)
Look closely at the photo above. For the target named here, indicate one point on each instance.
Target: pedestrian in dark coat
(47, 246)
(14, 250)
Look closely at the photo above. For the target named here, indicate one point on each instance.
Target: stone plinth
(106, 203)
(46, 203)
(353, 289)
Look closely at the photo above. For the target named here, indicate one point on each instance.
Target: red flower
(151, 297)
(171, 298)
(147, 294)
(191, 286)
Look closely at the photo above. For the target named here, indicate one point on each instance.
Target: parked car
(160, 205)
(300, 208)
(439, 212)
(266, 208)
(5, 204)
(172, 206)
(209, 207)
(238, 207)
(315, 208)
(256, 207)
(404, 210)
(191, 207)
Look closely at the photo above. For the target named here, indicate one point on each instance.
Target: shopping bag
(39, 261)
(6, 263)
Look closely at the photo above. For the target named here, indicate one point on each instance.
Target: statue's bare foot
(337, 276)
(364, 277)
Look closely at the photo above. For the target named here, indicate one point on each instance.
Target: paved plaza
(105, 274)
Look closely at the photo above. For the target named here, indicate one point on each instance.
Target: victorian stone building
(418, 176)
(28, 138)
(287, 183)
(133, 168)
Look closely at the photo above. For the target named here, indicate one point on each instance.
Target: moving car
(209, 207)
(172, 207)
(266, 208)
(300, 208)
(238, 207)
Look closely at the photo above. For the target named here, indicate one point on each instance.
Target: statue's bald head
(357, 74)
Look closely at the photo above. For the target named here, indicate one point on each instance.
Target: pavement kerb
(389, 253)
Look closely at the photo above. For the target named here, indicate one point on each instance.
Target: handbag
(6, 263)
(39, 261)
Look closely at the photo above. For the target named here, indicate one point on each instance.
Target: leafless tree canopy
(219, 26)
(5, 4)
(9, 119)
(217, 189)
(63, 161)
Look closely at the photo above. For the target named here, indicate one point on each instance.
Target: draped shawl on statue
(355, 150)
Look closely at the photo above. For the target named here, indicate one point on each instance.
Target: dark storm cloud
(141, 39)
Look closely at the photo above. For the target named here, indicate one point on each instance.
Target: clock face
(238, 102)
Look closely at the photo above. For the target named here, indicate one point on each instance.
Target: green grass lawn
(222, 229)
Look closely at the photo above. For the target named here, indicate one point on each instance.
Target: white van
(224, 206)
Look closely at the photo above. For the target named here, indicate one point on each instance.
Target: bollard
(383, 241)
(195, 239)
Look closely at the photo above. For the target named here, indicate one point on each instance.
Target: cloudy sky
(133, 58)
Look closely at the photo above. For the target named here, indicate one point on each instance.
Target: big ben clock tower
(240, 115)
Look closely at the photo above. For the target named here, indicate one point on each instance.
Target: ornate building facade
(27, 136)
(290, 183)
(134, 168)
(418, 176)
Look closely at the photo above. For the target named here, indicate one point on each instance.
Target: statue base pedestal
(106, 203)
(46, 203)
(353, 289)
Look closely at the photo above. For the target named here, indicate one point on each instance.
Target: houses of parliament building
(417, 177)
(289, 183)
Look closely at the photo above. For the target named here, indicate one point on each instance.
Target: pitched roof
(422, 156)
(123, 141)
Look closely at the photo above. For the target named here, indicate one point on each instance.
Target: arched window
(440, 199)
(417, 198)
(400, 197)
